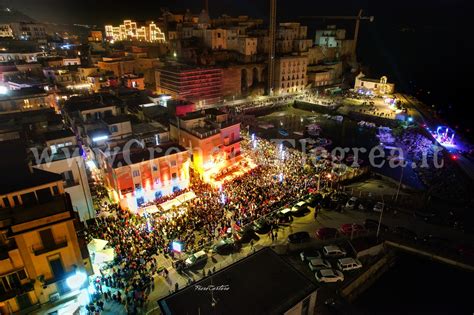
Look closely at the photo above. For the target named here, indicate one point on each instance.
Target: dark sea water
(421, 46)
(417, 285)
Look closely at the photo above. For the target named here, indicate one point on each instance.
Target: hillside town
(159, 167)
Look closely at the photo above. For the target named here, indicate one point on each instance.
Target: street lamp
(380, 218)
(76, 281)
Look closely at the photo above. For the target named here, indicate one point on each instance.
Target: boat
(338, 118)
(298, 133)
(266, 126)
(283, 132)
(323, 142)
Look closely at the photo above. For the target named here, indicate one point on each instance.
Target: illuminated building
(130, 31)
(23, 56)
(28, 30)
(373, 86)
(95, 36)
(25, 100)
(202, 86)
(134, 81)
(119, 66)
(139, 174)
(97, 118)
(212, 138)
(290, 74)
(61, 76)
(40, 250)
(292, 37)
(6, 30)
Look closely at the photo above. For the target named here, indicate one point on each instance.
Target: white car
(329, 275)
(378, 207)
(309, 254)
(333, 251)
(348, 264)
(318, 264)
(351, 203)
(195, 258)
(299, 207)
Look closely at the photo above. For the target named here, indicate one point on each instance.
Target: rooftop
(16, 174)
(82, 103)
(110, 120)
(252, 289)
(57, 134)
(23, 93)
(22, 214)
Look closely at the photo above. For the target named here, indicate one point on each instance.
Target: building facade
(373, 86)
(25, 100)
(41, 253)
(142, 174)
(290, 74)
(202, 86)
(212, 138)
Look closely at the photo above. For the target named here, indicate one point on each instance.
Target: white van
(333, 251)
(348, 264)
(196, 258)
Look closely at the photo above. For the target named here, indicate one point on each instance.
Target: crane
(271, 46)
(357, 18)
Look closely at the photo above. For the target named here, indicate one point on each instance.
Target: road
(307, 223)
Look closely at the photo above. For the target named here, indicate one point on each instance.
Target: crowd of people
(432, 167)
(279, 177)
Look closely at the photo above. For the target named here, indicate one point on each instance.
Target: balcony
(70, 183)
(46, 248)
(27, 287)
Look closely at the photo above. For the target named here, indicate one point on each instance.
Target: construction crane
(271, 47)
(357, 18)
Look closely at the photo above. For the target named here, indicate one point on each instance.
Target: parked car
(284, 215)
(226, 246)
(195, 259)
(301, 208)
(325, 233)
(351, 228)
(299, 237)
(313, 200)
(405, 233)
(351, 203)
(318, 264)
(245, 235)
(329, 276)
(309, 254)
(379, 207)
(372, 225)
(348, 264)
(333, 251)
(261, 226)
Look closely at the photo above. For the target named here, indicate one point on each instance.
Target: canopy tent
(96, 245)
(104, 256)
(167, 205)
(150, 210)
